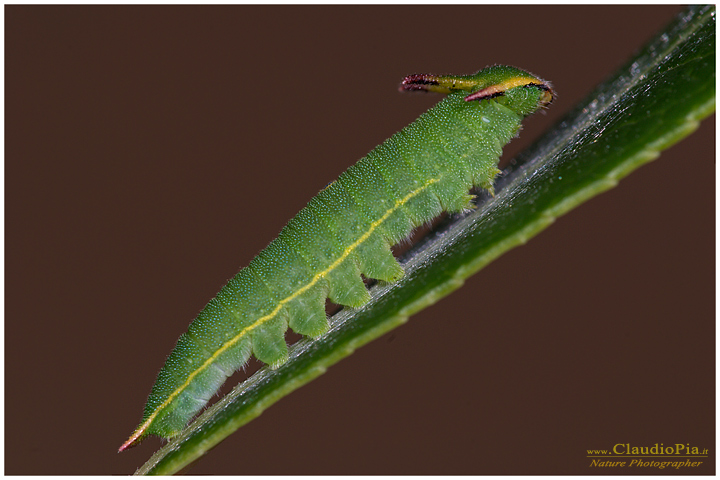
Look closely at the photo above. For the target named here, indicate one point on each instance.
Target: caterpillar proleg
(345, 231)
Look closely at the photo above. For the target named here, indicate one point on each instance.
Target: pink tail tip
(131, 442)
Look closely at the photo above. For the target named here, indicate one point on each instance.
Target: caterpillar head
(488, 83)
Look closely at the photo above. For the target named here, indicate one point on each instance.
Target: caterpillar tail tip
(134, 439)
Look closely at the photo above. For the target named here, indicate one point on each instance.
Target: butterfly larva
(345, 231)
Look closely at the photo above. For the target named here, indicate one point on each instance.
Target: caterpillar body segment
(344, 232)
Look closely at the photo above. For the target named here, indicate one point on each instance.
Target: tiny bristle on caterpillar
(346, 232)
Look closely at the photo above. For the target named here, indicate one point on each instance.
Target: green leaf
(657, 99)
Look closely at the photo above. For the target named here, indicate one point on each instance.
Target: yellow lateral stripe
(503, 86)
(518, 82)
(260, 321)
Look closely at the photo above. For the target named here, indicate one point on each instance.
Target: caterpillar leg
(307, 313)
(488, 179)
(269, 341)
(346, 285)
(377, 261)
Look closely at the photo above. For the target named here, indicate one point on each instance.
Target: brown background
(152, 151)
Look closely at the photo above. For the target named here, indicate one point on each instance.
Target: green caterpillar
(345, 231)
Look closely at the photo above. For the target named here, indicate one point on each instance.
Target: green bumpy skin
(345, 231)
